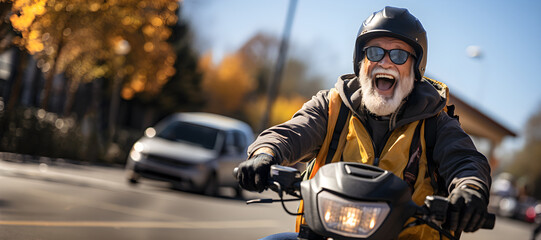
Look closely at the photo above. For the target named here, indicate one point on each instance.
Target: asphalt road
(66, 201)
(55, 200)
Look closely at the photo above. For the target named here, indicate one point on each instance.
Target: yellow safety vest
(355, 145)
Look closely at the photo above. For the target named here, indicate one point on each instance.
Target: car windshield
(191, 133)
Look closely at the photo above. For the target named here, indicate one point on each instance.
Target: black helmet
(397, 23)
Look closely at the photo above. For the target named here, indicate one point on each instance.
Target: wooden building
(481, 127)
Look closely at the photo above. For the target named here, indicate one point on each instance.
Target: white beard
(382, 105)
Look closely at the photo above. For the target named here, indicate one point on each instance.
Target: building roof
(476, 123)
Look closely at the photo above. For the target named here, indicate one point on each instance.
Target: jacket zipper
(379, 151)
(392, 124)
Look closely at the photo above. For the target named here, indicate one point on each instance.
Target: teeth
(384, 76)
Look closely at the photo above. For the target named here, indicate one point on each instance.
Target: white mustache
(376, 103)
(379, 70)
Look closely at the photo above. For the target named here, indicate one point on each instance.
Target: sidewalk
(60, 170)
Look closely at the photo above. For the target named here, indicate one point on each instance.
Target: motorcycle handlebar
(490, 220)
(436, 209)
(283, 179)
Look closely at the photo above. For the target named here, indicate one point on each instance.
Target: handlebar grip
(270, 183)
(490, 220)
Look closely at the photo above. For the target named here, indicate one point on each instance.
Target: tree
(121, 46)
(527, 163)
(238, 84)
(124, 41)
(11, 89)
(227, 84)
(298, 81)
(183, 91)
(6, 31)
(282, 110)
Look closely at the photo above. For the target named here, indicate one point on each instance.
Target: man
(389, 102)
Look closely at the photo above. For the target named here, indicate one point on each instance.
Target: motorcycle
(348, 200)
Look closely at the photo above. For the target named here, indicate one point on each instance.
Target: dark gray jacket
(300, 138)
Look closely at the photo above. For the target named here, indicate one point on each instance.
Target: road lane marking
(149, 224)
(133, 211)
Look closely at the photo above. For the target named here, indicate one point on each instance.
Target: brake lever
(438, 205)
(281, 179)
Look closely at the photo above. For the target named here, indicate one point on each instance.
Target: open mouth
(384, 82)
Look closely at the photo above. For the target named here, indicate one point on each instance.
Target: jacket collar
(427, 99)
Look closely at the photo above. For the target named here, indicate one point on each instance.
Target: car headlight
(136, 152)
(350, 218)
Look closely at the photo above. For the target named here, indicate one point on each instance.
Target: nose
(385, 61)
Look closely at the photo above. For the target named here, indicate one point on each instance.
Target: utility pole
(274, 84)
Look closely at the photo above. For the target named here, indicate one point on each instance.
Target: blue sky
(502, 83)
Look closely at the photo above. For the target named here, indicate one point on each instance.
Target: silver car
(197, 150)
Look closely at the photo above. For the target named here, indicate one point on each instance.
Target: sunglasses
(397, 56)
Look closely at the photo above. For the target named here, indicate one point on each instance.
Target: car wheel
(211, 186)
(238, 192)
(132, 177)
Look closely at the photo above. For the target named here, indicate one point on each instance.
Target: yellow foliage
(34, 44)
(156, 21)
(94, 7)
(148, 29)
(127, 93)
(149, 47)
(283, 109)
(253, 110)
(227, 84)
(205, 63)
(80, 37)
(29, 9)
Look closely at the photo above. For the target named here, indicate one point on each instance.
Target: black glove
(467, 209)
(253, 174)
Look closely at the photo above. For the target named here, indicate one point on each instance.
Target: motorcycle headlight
(350, 218)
